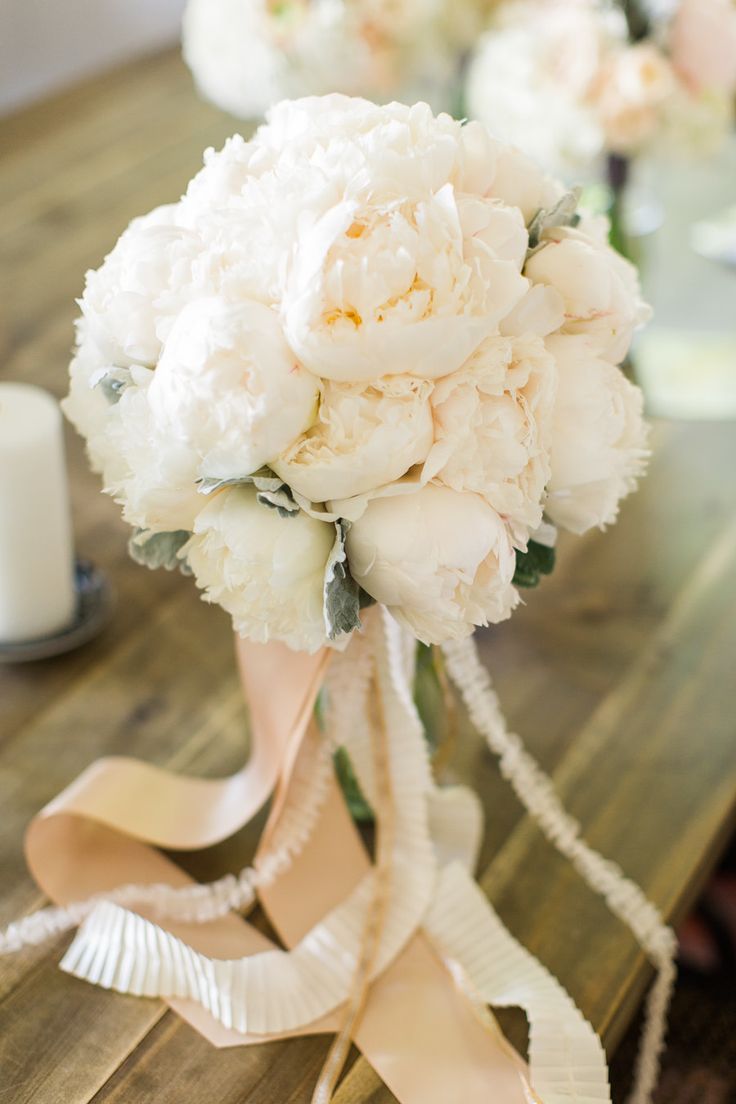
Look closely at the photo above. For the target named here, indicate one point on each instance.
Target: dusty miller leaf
(272, 491)
(280, 500)
(160, 549)
(341, 603)
(112, 382)
(564, 213)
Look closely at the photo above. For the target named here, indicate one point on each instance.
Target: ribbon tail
(566, 1059)
(623, 896)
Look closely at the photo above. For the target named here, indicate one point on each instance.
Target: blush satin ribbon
(443, 954)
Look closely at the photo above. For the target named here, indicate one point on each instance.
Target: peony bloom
(599, 438)
(703, 45)
(151, 474)
(518, 181)
(247, 54)
(366, 435)
(237, 352)
(441, 561)
(403, 285)
(635, 90)
(493, 426)
(265, 570)
(532, 76)
(86, 405)
(599, 288)
(130, 302)
(234, 57)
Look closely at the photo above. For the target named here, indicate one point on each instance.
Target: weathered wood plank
(585, 625)
(175, 1064)
(652, 777)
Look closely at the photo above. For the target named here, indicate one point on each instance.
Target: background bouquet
(371, 355)
(247, 54)
(569, 80)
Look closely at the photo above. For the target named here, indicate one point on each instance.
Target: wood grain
(617, 672)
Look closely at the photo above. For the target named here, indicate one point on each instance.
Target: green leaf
(207, 485)
(359, 808)
(280, 501)
(160, 549)
(538, 560)
(272, 491)
(112, 382)
(564, 213)
(341, 604)
(428, 696)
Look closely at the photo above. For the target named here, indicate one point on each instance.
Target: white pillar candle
(37, 595)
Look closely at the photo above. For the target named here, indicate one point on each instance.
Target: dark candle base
(94, 608)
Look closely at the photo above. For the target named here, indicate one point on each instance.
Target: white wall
(46, 44)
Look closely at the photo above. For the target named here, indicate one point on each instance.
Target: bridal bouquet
(247, 54)
(370, 356)
(369, 359)
(570, 80)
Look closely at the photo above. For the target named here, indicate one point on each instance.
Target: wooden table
(619, 672)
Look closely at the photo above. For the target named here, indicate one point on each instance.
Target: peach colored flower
(703, 45)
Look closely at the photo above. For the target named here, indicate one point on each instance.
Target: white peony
(366, 435)
(237, 352)
(532, 79)
(265, 570)
(247, 54)
(494, 170)
(441, 561)
(150, 473)
(599, 438)
(403, 285)
(130, 302)
(86, 405)
(493, 426)
(232, 54)
(599, 288)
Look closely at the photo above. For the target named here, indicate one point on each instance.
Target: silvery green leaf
(564, 213)
(341, 592)
(207, 485)
(272, 491)
(112, 382)
(280, 500)
(266, 480)
(160, 549)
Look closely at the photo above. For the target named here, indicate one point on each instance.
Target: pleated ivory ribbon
(442, 957)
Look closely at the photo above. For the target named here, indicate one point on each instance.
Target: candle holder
(94, 607)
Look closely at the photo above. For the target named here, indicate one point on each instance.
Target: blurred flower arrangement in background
(570, 81)
(248, 54)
